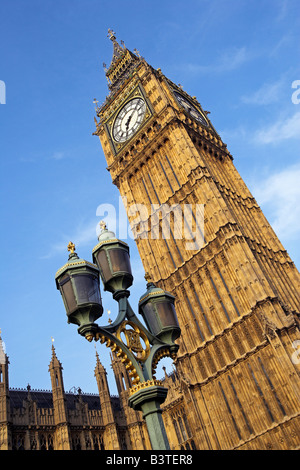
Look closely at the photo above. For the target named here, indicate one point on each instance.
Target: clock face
(129, 119)
(190, 108)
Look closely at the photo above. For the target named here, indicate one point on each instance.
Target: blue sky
(239, 58)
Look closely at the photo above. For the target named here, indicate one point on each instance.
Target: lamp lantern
(79, 284)
(158, 311)
(112, 258)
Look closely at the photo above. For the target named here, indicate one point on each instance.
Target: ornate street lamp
(139, 347)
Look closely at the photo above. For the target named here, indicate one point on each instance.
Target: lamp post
(140, 348)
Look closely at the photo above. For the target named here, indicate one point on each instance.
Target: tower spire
(118, 50)
(59, 402)
(122, 64)
(5, 412)
(2, 351)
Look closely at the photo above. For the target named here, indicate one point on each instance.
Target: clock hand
(128, 121)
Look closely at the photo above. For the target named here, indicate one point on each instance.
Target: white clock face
(129, 119)
(190, 108)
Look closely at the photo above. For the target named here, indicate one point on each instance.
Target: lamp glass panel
(87, 288)
(150, 318)
(167, 314)
(68, 294)
(103, 265)
(119, 260)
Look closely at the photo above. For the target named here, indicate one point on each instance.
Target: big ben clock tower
(236, 288)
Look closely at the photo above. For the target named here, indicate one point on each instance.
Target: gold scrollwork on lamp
(133, 337)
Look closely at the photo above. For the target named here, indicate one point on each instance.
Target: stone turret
(5, 415)
(59, 403)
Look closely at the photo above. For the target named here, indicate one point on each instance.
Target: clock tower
(202, 236)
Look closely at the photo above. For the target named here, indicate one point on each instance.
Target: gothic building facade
(60, 420)
(236, 384)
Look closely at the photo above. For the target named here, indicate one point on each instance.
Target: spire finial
(111, 35)
(97, 355)
(109, 319)
(118, 50)
(137, 53)
(2, 351)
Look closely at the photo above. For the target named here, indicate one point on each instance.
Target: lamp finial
(71, 248)
(103, 225)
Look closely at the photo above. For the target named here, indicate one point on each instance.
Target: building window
(98, 442)
(176, 430)
(88, 444)
(18, 442)
(50, 442)
(95, 442)
(182, 430)
(76, 444)
(46, 442)
(43, 445)
(33, 444)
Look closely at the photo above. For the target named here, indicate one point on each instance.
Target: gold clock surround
(191, 108)
(110, 123)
